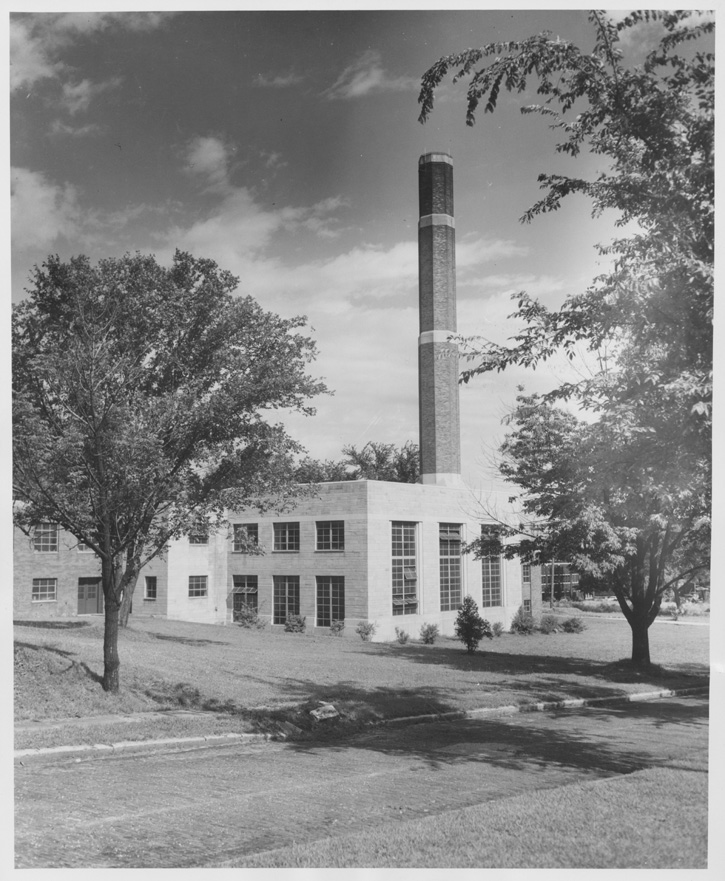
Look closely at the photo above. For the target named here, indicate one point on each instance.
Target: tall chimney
(440, 435)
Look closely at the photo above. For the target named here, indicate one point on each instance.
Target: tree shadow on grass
(188, 640)
(44, 648)
(517, 665)
(53, 625)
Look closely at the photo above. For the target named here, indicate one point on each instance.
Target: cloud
(41, 212)
(278, 81)
(38, 39)
(77, 97)
(74, 131)
(365, 76)
(208, 157)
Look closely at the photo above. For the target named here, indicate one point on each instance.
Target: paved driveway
(202, 807)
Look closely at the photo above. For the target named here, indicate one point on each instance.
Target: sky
(284, 145)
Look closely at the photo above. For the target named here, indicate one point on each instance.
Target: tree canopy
(629, 488)
(140, 396)
(374, 461)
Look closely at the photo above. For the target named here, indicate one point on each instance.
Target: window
(330, 599)
(405, 576)
(526, 586)
(199, 535)
(286, 597)
(331, 535)
(83, 548)
(564, 580)
(245, 592)
(45, 590)
(491, 593)
(149, 588)
(286, 536)
(197, 585)
(527, 606)
(526, 574)
(246, 537)
(45, 538)
(450, 563)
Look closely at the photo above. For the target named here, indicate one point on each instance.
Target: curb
(483, 712)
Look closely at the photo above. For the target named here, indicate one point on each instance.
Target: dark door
(90, 596)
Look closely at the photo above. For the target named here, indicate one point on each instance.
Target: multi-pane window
(450, 563)
(246, 590)
(149, 588)
(45, 538)
(331, 535)
(83, 548)
(564, 580)
(246, 537)
(199, 535)
(405, 575)
(45, 590)
(491, 584)
(330, 599)
(197, 585)
(286, 536)
(526, 586)
(286, 597)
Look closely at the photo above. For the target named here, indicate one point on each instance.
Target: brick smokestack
(440, 435)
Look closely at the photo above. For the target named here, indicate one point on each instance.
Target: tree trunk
(126, 602)
(111, 576)
(111, 660)
(640, 641)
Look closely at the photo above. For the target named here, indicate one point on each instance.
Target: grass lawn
(587, 825)
(232, 679)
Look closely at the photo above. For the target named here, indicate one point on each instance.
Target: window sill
(286, 552)
(38, 602)
(330, 551)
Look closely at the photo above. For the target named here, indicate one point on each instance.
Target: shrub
(497, 628)
(295, 624)
(248, 617)
(470, 626)
(549, 624)
(336, 627)
(573, 625)
(401, 636)
(429, 633)
(366, 630)
(522, 622)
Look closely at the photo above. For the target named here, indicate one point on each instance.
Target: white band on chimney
(435, 336)
(436, 157)
(441, 479)
(436, 220)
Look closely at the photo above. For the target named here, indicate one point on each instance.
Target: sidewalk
(287, 731)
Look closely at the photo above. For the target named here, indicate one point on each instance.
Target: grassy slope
(620, 823)
(229, 671)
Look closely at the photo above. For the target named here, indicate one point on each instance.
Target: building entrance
(90, 596)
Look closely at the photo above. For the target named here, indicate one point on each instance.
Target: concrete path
(207, 807)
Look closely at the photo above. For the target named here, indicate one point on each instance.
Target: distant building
(388, 553)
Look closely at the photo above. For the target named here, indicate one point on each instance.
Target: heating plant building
(358, 551)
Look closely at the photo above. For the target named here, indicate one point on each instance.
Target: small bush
(366, 630)
(573, 625)
(336, 627)
(295, 624)
(401, 636)
(549, 624)
(470, 626)
(248, 618)
(522, 622)
(497, 628)
(429, 633)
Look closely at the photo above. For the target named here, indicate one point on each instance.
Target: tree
(375, 461)
(470, 627)
(139, 395)
(645, 452)
(589, 500)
